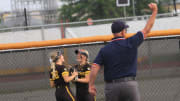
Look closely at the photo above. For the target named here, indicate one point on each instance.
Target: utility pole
(133, 4)
(123, 3)
(124, 9)
(25, 17)
(175, 9)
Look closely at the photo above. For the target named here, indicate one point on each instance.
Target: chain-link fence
(38, 18)
(24, 72)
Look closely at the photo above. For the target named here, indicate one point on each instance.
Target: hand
(92, 90)
(75, 73)
(153, 7)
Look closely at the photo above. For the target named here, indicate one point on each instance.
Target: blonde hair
(52, 57)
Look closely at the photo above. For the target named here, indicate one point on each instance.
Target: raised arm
(151, 20)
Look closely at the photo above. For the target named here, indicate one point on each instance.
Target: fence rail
(94, 21)
(80, 40)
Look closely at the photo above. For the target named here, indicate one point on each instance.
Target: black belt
(124, 79)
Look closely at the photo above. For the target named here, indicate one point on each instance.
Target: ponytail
(53, 67)
(53, 57)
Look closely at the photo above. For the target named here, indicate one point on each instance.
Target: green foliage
(95, 9)
(80, 10)
(142, 6)
(161, 9)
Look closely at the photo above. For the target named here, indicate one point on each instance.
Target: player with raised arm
(119, 58)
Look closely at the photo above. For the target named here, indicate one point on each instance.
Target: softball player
(83, 68)
(59, 77)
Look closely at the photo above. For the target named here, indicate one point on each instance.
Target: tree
(96, 9)
(80, 10)
(162, 9)
(142, 6)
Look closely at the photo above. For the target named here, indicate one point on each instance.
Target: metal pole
(134, 13)
(179, 44)
(42, 33)
(62, 30)
(150, 55)
(25, 16)
(124, 11)
(174, 2)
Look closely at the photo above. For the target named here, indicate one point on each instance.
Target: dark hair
(59, 53)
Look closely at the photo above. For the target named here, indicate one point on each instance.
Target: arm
(68, 78)
(52, 84)
(94, 70)
(151, 20)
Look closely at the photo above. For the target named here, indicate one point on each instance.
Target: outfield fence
(24, 67)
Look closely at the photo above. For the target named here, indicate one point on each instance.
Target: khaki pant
(122, 91)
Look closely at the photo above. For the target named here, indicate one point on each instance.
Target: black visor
(83, 53)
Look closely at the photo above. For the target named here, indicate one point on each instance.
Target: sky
(5, 5)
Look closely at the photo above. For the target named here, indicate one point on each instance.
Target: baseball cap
(82, 51)
(118, 26)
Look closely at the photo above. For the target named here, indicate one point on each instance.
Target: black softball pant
(84, 96)
(63, 93)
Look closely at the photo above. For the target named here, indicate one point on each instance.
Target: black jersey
(82, 71)
(60, 70)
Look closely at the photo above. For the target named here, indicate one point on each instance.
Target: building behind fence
(30, 12)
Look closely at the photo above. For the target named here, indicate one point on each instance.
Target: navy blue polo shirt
(119, 57)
